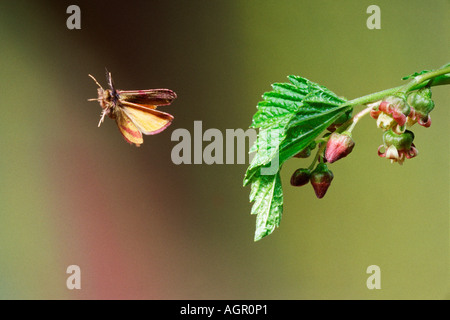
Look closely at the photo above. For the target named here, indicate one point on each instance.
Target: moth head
(106, 100)
(104, 96)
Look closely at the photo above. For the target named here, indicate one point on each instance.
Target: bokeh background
(141, 227)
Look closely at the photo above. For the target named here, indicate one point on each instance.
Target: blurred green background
(141, 227)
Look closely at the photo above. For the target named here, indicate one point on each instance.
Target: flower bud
(300, 177)
(321, 179)
(338, 146)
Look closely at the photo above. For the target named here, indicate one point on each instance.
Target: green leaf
(289, 119)
(267, 148)
(304, 129)
(267, 195)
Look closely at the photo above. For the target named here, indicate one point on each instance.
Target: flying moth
(134, 110)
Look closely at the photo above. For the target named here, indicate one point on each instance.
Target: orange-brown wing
(149, 98)
(128, 129)
(148, 121)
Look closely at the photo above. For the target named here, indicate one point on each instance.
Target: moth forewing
(151, 98)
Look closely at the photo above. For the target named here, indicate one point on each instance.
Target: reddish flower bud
(300, 177)
(321, 179)
(338, 146)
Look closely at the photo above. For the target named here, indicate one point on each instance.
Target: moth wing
(148, 98)
(147, 120)
(128, 129)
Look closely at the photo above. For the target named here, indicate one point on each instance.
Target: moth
(134, 110)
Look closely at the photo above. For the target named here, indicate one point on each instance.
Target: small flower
(398, 147)
(421, 103)
(338, 146)
(300, 177)
(385, 121)
(392, 113)
(321, 179)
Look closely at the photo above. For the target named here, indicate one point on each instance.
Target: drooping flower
(398, 147)
(391, 113)
(338, 146)
(421, 106)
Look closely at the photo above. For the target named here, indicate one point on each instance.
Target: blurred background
(141, 227)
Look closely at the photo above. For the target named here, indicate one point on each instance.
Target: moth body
(135, 111)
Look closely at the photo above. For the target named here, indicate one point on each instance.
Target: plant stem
(433, 78)
(357, 117)
(424, 77)
(319, 152)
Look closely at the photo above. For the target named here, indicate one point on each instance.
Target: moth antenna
(109, 79)
(94, 99)
(96, 82)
